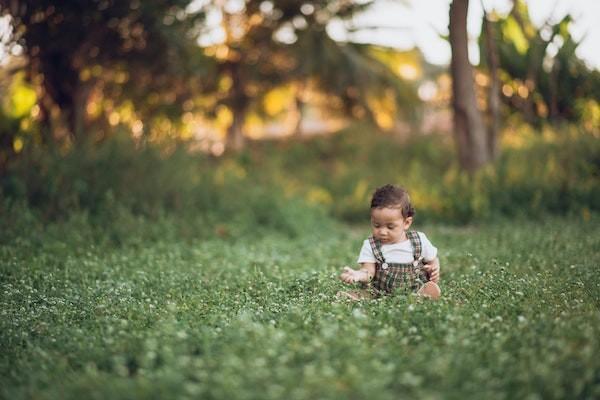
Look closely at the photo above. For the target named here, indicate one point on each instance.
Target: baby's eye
(391, 226)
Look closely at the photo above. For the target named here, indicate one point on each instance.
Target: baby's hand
(433, 271)
(349, 275)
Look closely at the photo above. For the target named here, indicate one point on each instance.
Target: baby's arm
(433, 269)
(364, 274)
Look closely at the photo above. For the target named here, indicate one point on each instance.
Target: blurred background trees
(90, 62)
(85, 59)
(536, 69)
(541, 75)
(210, 75)
(268, 46)
(167, 65)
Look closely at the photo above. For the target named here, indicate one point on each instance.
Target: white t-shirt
(400, 252)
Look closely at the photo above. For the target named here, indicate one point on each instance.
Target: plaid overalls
(390, 277)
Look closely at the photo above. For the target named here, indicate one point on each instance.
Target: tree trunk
(494, 91)
(469, 129)
(553, 112)
(235, 133)
(299, 108)
(239, 105)
(76, 112)
(44, 118)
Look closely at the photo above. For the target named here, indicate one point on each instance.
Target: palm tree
(350, 72)
(254, 59)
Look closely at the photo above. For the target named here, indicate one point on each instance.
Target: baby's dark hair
(393, 196)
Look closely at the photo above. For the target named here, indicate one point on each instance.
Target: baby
(394, 257)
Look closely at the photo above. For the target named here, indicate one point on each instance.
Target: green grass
(256, 318)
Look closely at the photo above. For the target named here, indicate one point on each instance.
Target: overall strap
(376, 247)
(415, 242)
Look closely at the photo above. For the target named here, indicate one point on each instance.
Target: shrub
(290, 187)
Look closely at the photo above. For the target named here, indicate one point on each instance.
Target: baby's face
(389, 226)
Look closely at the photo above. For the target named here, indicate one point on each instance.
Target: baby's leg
(354, 295)
(430, 289)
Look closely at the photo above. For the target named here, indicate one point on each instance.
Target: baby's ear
(407, 222)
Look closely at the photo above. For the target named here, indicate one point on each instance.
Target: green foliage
(95, 63)
(539, 65)
(555, 174)
(288, 186)
(123, 50)
(257, 319)
(116, 187)
(20, 98)
(15, 109)
(355, 74)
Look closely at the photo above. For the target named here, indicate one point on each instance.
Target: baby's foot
(431, 290)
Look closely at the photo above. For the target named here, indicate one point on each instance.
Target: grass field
(256, 318)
